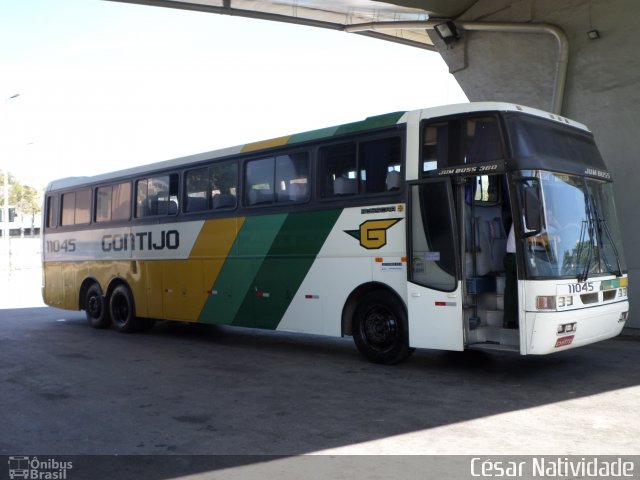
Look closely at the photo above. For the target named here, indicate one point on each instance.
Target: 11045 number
(56, 246)
(581, 287)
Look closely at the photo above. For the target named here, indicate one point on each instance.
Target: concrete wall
(602, 91)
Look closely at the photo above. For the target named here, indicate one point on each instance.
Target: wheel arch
(115, 282)
(354, 297)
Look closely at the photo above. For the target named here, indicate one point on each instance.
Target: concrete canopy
(576, 58)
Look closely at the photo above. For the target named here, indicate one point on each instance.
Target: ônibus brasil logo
(34, 468)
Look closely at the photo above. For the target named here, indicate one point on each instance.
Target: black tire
(380, 329)
(96, 308)
(122, 310)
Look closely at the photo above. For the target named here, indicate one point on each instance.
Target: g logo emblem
(373, 233)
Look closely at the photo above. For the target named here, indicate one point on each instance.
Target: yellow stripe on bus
(274, 142)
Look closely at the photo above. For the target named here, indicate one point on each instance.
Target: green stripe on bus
(313, 135)
(379, 121)
(294, 250)
(265, 268)
(236, 276)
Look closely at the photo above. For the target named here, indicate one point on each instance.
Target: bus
(393, 230)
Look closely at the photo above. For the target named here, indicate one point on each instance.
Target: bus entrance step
(494, 346)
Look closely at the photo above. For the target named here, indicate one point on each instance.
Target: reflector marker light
(445, 304)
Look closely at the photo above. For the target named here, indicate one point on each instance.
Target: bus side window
(435, 146)
(113, 202)
(338, 170)
(52, 211)
(83, 207)
(157, 196)
(197, 190)
(482, 140)
(223, 178)
(292, 177)
(121, 201)
(259, 179)
(103, 203)
(68, 208)
(377, 159)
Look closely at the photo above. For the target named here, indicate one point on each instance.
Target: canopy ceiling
(364, 17)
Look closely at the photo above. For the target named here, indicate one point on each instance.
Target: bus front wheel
(95, 307)
(380, 329)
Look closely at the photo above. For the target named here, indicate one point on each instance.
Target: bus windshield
(579, 234)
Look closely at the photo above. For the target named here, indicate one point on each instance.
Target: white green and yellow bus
(393, 230)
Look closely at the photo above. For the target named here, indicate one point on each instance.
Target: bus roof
(370, 123)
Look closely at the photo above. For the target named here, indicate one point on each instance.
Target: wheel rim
(380, 328)
(119, 309)
(94, 306)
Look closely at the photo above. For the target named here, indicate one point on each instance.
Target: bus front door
(434, 292)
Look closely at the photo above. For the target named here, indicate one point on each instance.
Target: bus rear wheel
(95, 307)
(380, 329)
(123, 312)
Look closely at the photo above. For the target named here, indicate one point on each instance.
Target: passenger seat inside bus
(224, 200)
(344, 186)
(394, 181)
(196, 204)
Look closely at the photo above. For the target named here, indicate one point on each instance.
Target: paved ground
(179, 389)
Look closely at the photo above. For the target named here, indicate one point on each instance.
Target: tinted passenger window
(292, 177)
(259, 181)
(379, 162)
(113, 202)
(157, 196)
(364, 167)
(338, 169)
(460, 141)
(284, 178)
(52, 212)
(68, 208)
(76, 208)
(214, 187)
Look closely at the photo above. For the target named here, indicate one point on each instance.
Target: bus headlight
(623, 317)
(546, 303)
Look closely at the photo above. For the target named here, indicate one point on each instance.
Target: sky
(104, 85)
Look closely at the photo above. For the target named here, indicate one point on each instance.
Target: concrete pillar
(602, 91)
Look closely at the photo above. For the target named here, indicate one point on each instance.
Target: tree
(23, 198)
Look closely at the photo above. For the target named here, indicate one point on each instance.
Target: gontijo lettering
(141, 241)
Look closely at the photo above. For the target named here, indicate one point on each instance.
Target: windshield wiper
(601, 222)
(590, 221)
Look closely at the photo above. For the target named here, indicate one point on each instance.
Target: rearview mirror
(532, 210)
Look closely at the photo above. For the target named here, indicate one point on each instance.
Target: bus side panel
(237, 275)
(270, 257)
(70, 289)
(153, 284)
(183, 294)
(359, 243)
(53, 294)
(291, 255)
(317, 308)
